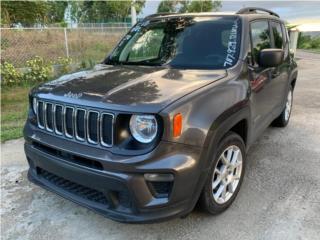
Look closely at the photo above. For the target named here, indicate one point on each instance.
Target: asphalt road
(279, 199)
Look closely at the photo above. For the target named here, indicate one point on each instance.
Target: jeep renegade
(165, 121)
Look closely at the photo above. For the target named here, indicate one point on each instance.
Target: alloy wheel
(288, 107)
(226, 175)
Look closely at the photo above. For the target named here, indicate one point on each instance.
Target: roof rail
(158, 15)
(249, 10)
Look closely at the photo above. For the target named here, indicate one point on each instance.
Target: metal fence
(90, 43)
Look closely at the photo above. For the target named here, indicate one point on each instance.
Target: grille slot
(80, 124)
(40, 115)
(58, 119)
(74, 188)
(68, 121)
(106, 128)
(68, 156)
(92, 127)
(85, 125)
(49, 117)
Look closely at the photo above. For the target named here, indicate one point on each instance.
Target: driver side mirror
(270, 57)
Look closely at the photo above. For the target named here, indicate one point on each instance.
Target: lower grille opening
(68, 156)
(73, 188)
(160, 189)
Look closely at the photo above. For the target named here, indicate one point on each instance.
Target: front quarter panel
(202, 109)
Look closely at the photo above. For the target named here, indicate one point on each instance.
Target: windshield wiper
(149, 62)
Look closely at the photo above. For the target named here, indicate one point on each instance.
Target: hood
(127, 88)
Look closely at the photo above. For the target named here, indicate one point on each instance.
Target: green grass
(316, 50)
(14, 107)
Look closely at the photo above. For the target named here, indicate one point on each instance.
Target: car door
(262, 101)
(279, 74)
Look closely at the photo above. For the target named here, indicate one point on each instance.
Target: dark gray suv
(166, 119)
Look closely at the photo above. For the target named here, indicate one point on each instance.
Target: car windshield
(181, 42)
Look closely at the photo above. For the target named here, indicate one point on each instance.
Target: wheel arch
(293, 78)
(236, 119)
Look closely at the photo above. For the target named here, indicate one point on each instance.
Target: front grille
(85, 125)
(73, 188)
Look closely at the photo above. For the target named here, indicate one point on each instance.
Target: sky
(303, 13)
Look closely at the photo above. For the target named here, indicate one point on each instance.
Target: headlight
(143, 128)
(34, 105)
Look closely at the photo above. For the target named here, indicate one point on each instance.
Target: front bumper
(115, 185)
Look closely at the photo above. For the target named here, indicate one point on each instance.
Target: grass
(315, 50)
(14, 107)
(84, 47)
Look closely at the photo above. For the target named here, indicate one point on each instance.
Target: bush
(10, 76)
(63, 64)
(308, 42)
(38, 71)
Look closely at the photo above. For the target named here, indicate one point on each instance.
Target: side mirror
(270, 57)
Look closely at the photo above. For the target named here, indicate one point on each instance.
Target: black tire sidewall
(207, 200)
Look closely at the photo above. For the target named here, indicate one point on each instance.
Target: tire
(284, 117)
(209, 199)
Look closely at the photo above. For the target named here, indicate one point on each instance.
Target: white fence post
(66, 41)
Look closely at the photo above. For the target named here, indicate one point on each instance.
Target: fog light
(159, 177)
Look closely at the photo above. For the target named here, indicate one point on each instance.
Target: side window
(260, 37)
(277, 35)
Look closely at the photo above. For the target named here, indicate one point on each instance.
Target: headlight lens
(143, 128)
(34, 105)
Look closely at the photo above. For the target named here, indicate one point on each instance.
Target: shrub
(308, 42)
(38, 71)
(10, 75)
(64, 64)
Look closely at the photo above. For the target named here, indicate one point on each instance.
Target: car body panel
(127, 88)
(212, 102)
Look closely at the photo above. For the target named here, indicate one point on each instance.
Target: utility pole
(133, 13)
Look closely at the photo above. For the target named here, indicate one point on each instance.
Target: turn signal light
(177, 125)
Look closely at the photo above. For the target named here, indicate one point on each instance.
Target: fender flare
(223, 124)
(293, 76)
(219, 128)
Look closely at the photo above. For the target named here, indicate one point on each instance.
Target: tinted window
(184, 42)
(260, 37)
(286, 41)
(277, 34)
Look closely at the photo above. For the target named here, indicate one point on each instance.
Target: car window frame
(287, 42)
(253, 60)
(283, 34)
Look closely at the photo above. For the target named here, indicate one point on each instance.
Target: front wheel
(226, 175)
(284, 117)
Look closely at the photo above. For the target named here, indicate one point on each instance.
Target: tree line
(183, 6)
(31, 13)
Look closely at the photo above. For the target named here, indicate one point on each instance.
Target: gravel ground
(279, 199)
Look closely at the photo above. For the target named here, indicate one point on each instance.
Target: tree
(167, 6)
(56, 11)
(23, 12)
(29, 13)
(101, 11)
(200, 6)
(183, 6)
